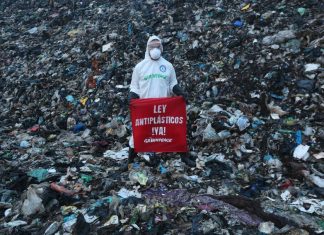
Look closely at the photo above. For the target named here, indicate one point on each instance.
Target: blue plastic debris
(299, 139)
(238, 23)
(162, 169)
(130, 29)
(267, 157)
(182, 36)
(79, 127)
(70, 98)
(24, 144)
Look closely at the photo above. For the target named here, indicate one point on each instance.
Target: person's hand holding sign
(177, 90)
(132, 95)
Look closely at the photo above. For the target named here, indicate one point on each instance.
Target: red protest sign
(159, 124)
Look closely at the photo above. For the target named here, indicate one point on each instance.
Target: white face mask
(155, 53)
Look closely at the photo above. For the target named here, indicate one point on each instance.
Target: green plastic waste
(142, 178)
(134, 216)
(293, 45)
(301, 11)
(86, 178)
(40, 174)
(138, 176)
(286, 131)
(290, 121)
(321, 223)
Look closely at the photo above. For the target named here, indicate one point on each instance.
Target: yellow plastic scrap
(84, 100)
(114, 220)
(73, 32)
(159, 205)
(142, 178)
(110, 131)
(68, 209)
(246, 7)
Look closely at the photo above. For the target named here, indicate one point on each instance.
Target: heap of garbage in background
(253, 71)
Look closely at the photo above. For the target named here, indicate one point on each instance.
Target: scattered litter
(319, 155)
(301, 152)
(112, 221)
(309, 205)
(124, 193)
(117, 155)
(252, 71)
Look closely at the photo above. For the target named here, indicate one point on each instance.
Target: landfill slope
(253, 71)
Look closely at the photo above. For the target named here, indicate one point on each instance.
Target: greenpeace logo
(155, 75)
(157, 140)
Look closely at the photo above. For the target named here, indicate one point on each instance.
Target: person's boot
(131, 157)
(185, 158)
(154, 160)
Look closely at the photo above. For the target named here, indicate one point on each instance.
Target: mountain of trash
(253, 71)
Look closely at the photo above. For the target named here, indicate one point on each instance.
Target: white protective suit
(152, 78)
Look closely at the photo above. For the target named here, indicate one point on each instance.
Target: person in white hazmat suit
(153, 77)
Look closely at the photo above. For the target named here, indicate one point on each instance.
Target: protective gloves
(132, 95)
(178, 91)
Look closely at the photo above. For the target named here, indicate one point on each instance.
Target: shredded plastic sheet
(117, 155)
(319, 155)
(301, 152)
(309, 205)
(125, 193)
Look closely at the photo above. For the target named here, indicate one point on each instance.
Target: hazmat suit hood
(147, 56)
(153, 78)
